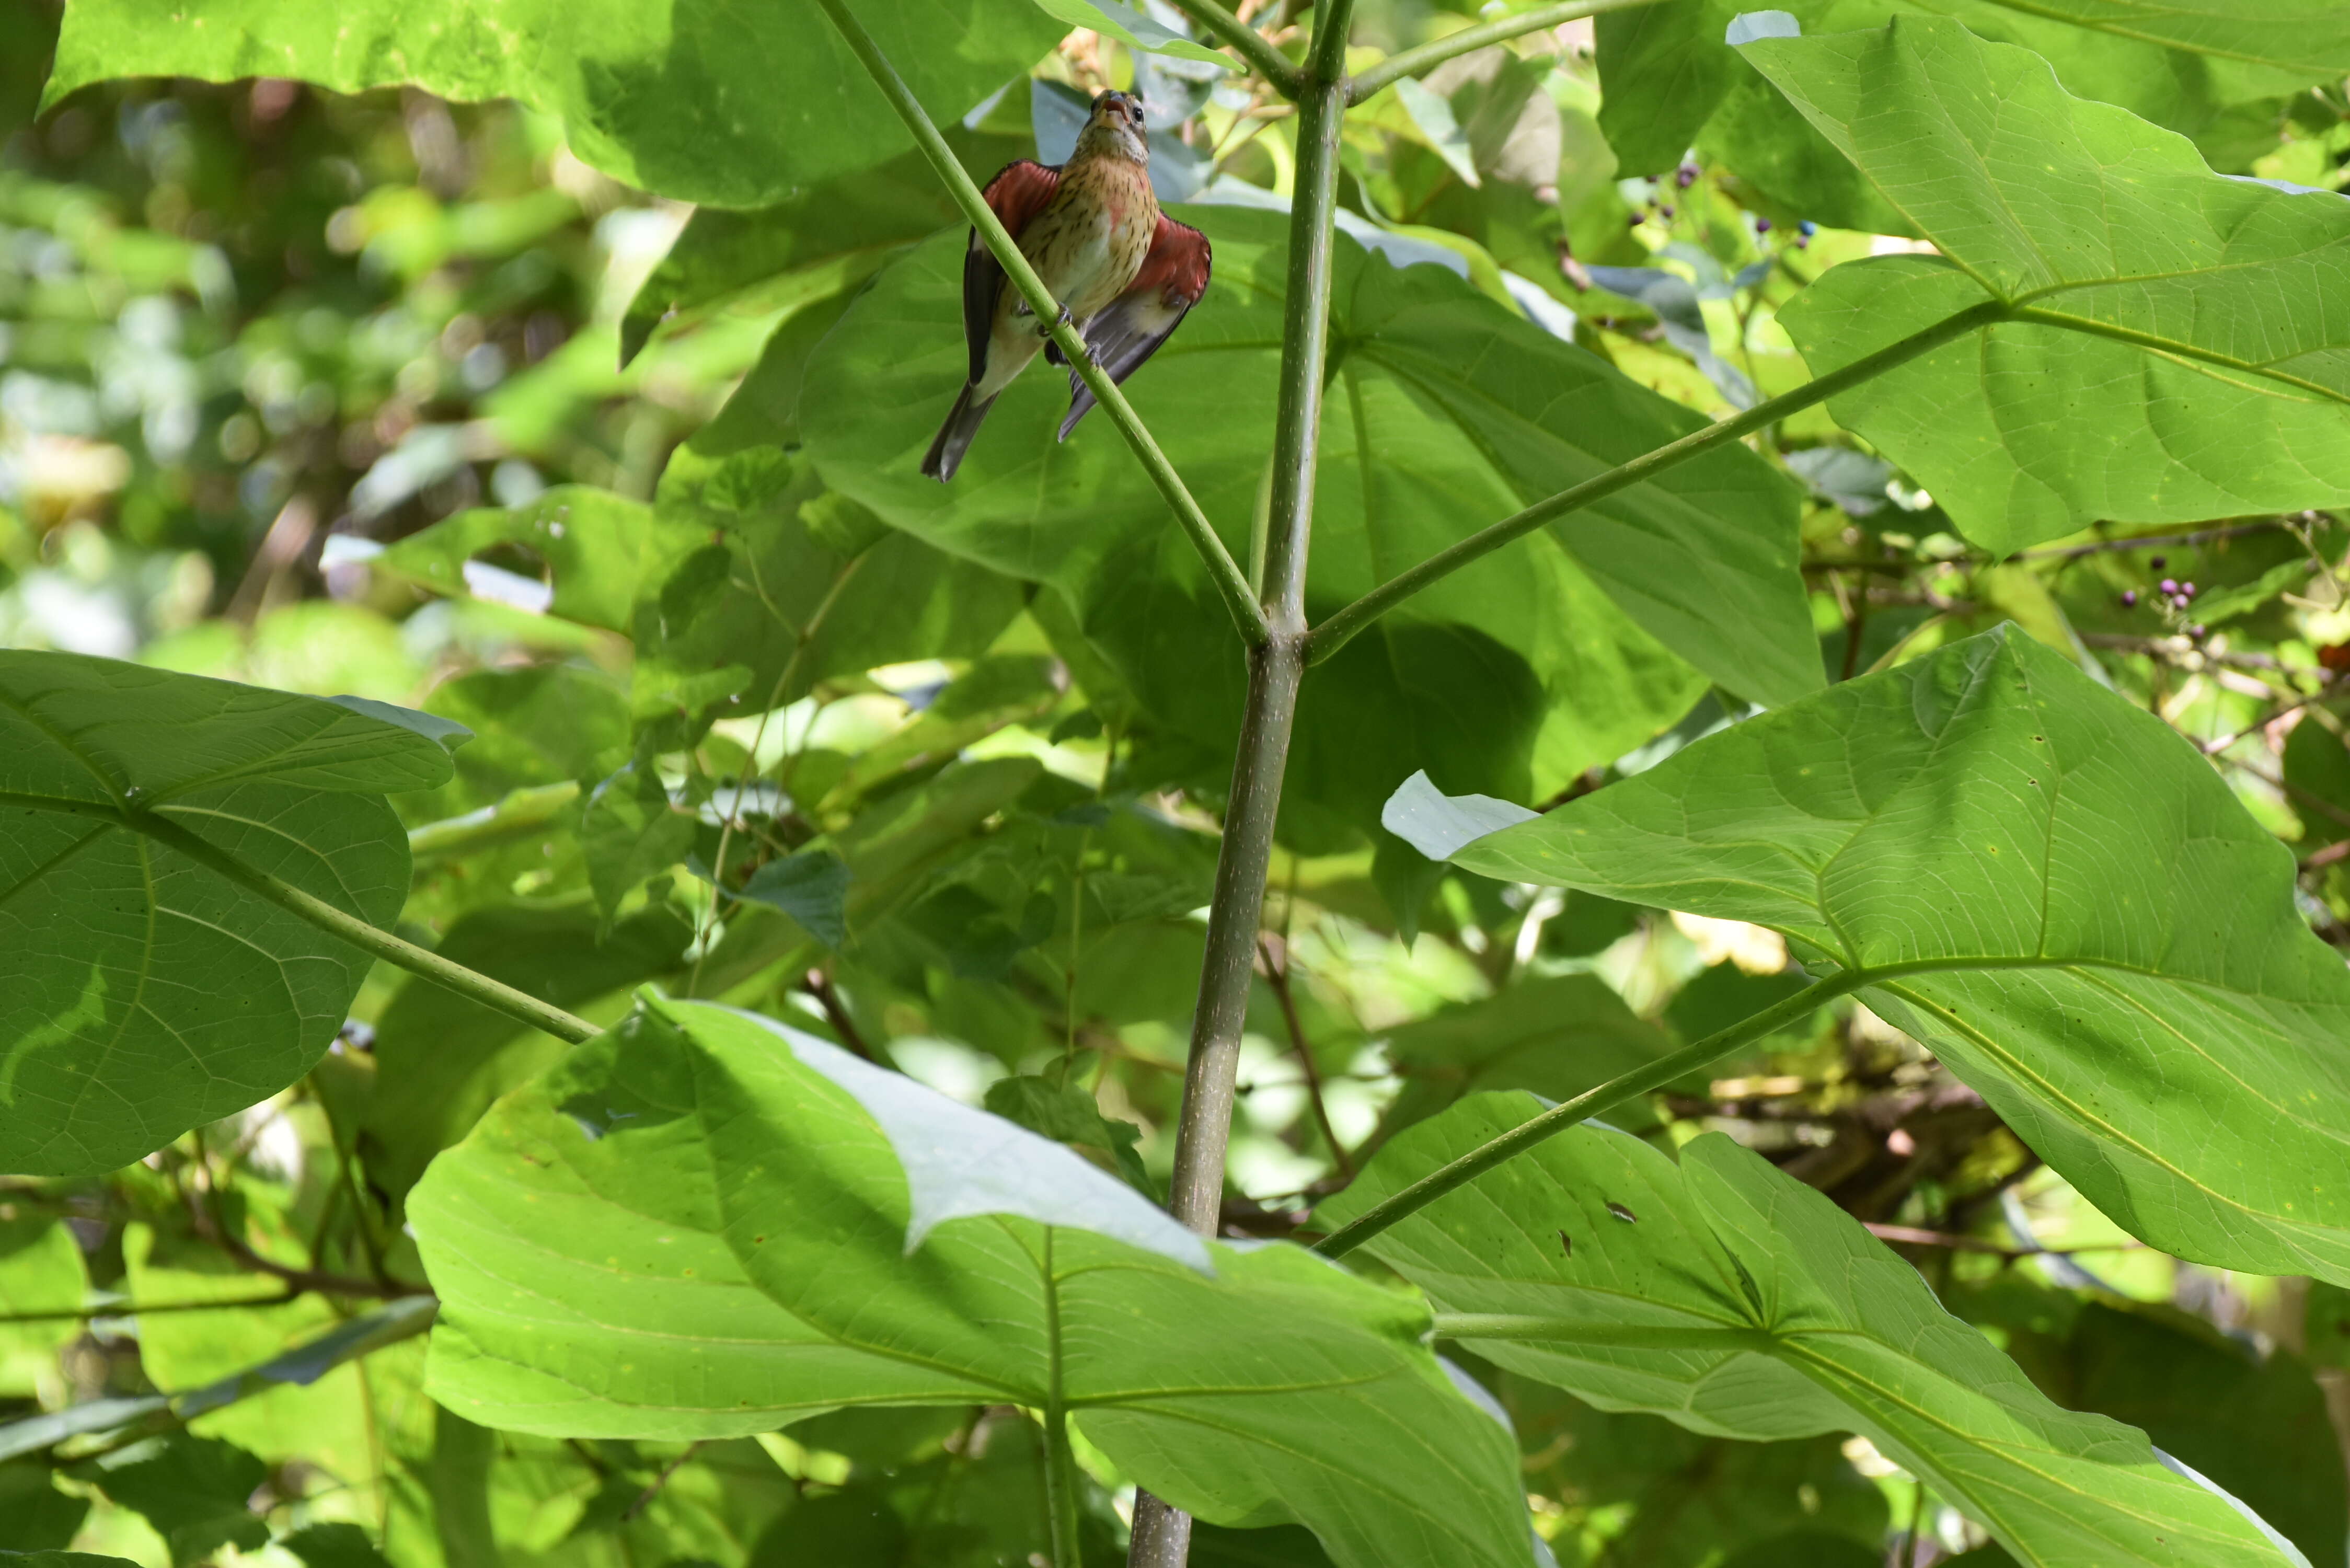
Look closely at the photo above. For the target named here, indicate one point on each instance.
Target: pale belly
(1084, 265)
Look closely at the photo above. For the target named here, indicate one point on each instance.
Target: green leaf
(1808, 1549)
(809, 246)
(811, 887)
(2256, 1426)
(2051, 891)
(1664, 69)
(629, 830)
(443, 1058)
(1066, 1114)
(333, 1546)
(2167, 354)
(1445, 413)
(35, 1516)
(62, 1560)
(41, 1271)
(594, 545)
(1557, 1036)
(699, 100)
(702, 1223)
(1728, 1296)
(1130, 26)
(196, 997)
(192, 1489)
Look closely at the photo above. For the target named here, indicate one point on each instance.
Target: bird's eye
(1135, 111)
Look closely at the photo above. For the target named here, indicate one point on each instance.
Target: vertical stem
(1162, 1534)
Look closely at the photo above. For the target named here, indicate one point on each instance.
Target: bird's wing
(1130, 328)
(1017, 194)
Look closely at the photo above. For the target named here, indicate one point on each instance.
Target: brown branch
(819, 984)
(1272, 962)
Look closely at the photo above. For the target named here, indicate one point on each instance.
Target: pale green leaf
(697, 99)
(2056, 895)
(687, 1230)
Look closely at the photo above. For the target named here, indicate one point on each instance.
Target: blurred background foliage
(389, 396)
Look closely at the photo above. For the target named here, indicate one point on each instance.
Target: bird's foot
(1063, 319)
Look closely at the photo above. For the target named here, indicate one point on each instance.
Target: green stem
(1468, 40)
(1162, 1534)
(368, 939)
(1333, 633)
(1221, 570)
(1247, 42)
(1582, 1108)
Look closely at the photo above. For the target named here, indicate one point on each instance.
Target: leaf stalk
(1246, 42)
(1591, 1103)
(1230, 584)
(372, 940)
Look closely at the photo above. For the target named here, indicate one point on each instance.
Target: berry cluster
(2171, 595)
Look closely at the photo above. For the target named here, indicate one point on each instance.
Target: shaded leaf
(1738, 1301)
(192, 1489)
(196, 996)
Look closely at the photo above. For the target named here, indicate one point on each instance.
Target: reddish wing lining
(1178, 262)
(1019, 192)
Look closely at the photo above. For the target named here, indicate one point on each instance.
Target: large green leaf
(2169, 352)
(149, 994)
(1728, 1296)
(1668, 72)
(1445, 413)
(694, 98)
(701, 1224)
(2055, 893)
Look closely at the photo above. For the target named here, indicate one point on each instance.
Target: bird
(1124, 271)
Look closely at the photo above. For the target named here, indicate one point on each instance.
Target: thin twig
(645, 1497)
(1274, 964)
(2150, 541)
(819, 984)
(1911, 1235)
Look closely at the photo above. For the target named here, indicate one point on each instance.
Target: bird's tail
(954, 436)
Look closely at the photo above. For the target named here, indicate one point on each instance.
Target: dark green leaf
(1066, 1114)
(811, 887)
(333, 1546)
(1519, 672)
(1557, 1037)
(192, 1489)
(35, 1516)
(197, 997)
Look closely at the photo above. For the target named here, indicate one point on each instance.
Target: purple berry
(1685, 176)
(2196, 630)
(2129, 599)
(2169, 587)
(2158, 562)
(1665, 212)
(1808, 228)
(2178, 601)
(1638, 218)
(2187, 588)
(1762, 225)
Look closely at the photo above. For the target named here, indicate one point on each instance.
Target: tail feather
(954, 436)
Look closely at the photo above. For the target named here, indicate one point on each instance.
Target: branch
(1333, 633)
(1910, 1236)
(1469, 40)
(1583, 1107)
(1248, 43)
(1230, 581)
(1274, 966)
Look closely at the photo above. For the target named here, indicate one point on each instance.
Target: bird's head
(1115, 128)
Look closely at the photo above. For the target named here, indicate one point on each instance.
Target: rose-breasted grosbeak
(1124, 271)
